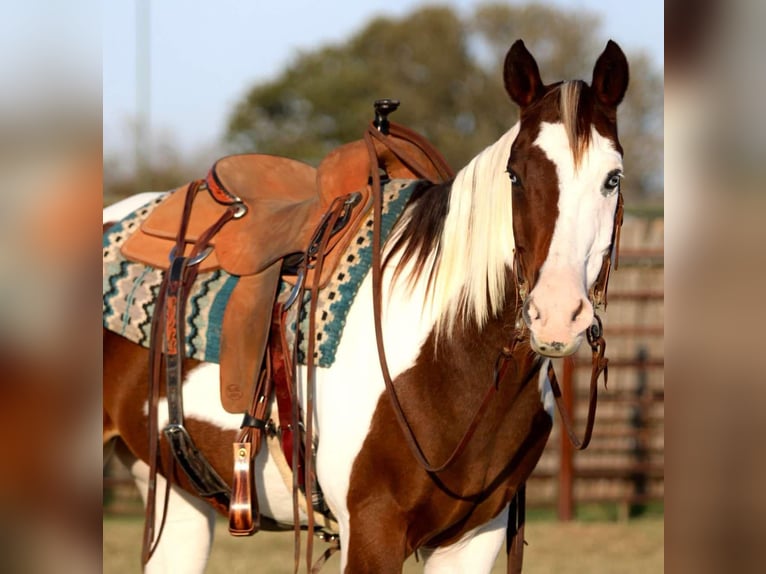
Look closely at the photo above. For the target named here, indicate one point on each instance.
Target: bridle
(595, 336)
(597, 295)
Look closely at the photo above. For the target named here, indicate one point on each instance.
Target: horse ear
(610, 75)
(521, 75)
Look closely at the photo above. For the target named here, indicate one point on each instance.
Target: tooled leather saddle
(264, 219)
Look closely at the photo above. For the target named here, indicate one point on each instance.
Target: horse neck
(479, 343)
(449, 381)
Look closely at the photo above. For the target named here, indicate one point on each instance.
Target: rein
(373, 133)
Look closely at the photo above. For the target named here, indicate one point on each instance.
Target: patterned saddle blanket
(130, 289)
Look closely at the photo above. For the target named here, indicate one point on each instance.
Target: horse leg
(188, 533)
(476, 552)
(377, 538)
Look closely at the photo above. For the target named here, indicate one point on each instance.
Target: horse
(497, 266)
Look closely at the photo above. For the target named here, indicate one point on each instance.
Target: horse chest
(436, 509)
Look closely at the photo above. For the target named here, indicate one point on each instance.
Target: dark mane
(420, 229)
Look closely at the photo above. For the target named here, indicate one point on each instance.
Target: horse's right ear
(521, 75)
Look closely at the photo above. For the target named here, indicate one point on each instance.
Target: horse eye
(513, 177)
(612, 180)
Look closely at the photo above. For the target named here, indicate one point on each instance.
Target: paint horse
(501, 266)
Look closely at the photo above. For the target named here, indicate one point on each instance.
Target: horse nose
(580, 318)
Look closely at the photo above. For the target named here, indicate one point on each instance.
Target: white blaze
(559, 309)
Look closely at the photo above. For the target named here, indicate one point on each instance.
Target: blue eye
(612, 180)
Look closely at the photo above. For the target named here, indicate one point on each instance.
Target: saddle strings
(317, 256)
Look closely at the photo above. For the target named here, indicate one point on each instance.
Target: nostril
(529, 311)
(577, 311)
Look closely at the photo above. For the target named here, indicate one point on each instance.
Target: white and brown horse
(535, 209)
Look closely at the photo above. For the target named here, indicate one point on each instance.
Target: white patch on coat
(475, 552)
(113, 213)
(202, 402)
(348, 392)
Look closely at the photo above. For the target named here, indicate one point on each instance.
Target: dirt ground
(634, 547)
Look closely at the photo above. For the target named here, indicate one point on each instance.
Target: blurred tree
(325, 98)
(447, 73)
(167, 167)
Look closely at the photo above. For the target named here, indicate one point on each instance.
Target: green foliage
(447, 72)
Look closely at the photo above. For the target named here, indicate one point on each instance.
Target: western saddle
(262, 218)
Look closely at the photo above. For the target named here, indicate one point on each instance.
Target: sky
(204, 55)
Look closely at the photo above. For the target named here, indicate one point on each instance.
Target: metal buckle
(296, 289)
(595, 332)
(240, 209)
(194, 260)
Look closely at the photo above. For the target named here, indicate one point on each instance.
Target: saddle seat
(284, 206)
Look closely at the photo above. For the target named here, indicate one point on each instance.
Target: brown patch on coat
(396, 506)
(126, 376)
(421, 230)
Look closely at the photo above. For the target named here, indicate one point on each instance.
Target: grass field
(634, 547)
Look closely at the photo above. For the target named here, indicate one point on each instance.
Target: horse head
(565, 167)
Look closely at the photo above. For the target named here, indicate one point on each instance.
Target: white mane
(477, 240)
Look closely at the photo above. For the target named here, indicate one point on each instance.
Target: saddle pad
(130, 290)
(336, 297)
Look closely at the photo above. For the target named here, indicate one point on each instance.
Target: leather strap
(332, 549)
(600, 364)
(514, 541)
(244, 518)
(314, 259)
(598, 292)
(370, 135)
(244, 514)
(167, 339)
(391, 140)
(282, 374)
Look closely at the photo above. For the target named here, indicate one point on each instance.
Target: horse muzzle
(558, 330)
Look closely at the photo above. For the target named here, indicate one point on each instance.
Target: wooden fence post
(566, 462)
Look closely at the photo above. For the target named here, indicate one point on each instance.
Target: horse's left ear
(610, 75)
